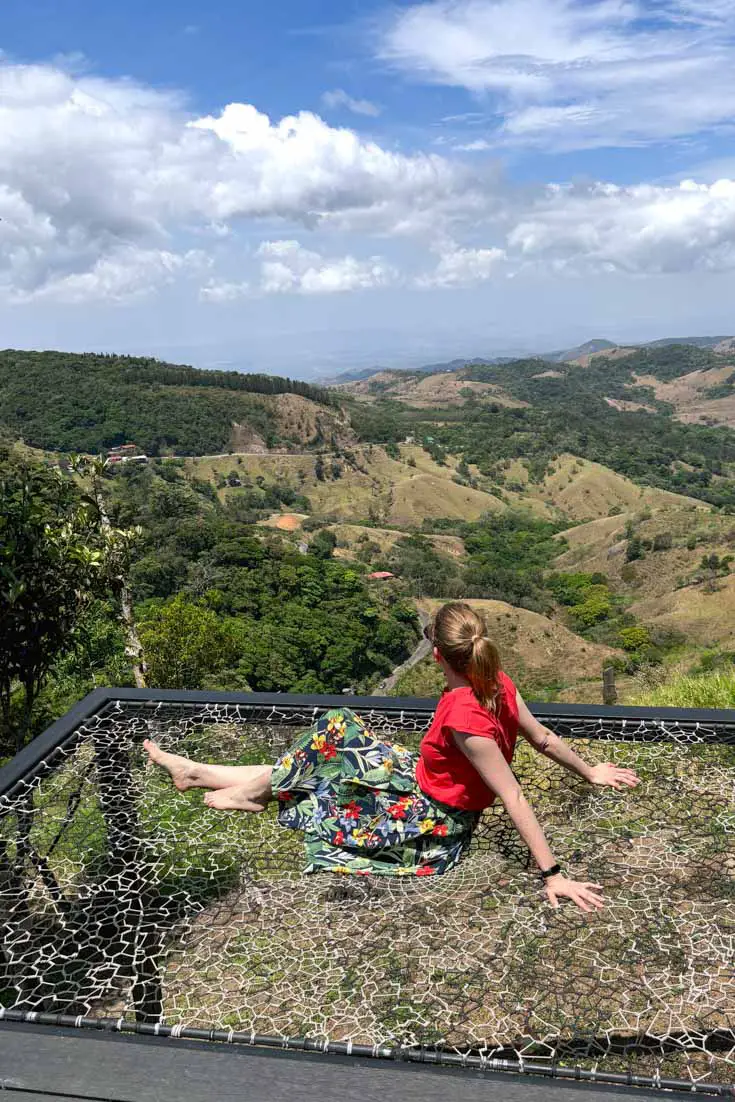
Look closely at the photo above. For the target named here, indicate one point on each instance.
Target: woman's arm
(549, 744)
(489, 762)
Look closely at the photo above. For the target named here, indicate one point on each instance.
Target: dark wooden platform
(40, 1064)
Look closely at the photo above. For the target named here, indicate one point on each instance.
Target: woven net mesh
(121, 897)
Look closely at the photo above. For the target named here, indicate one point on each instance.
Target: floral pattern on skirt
(357, 801)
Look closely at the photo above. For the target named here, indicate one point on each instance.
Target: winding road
(421, 650)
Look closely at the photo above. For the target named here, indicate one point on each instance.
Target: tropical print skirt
(356, 799)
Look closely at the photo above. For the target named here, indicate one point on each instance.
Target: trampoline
(141, 930)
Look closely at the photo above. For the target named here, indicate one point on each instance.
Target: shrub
(596, 607)
(634, 550)
(628, 573)
(635, 638)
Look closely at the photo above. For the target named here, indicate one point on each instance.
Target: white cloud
(338, 98)
(223, 291)
(288, 267)
(639, 230)
(578, 73)
(304, 170)
(459, 266)
(104, 185)
(124, 275)
(479, 145)
(90, 167)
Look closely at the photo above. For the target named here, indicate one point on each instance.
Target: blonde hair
(460, 635)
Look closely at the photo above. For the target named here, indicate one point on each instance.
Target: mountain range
(591, 347)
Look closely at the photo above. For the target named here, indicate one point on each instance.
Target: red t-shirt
(443, 771)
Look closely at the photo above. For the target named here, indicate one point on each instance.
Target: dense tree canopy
(86, 403)
(255, 611)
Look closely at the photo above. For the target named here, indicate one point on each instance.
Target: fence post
(609, 692)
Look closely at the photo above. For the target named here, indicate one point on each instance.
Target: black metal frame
(564, 716)
(625, 724)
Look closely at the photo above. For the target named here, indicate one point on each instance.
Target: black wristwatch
(553, 871)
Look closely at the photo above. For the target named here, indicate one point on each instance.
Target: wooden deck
(40, 1064)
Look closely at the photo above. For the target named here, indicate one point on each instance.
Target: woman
(368, 807)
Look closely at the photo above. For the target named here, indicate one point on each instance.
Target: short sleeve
(470, 718)
(509, 690)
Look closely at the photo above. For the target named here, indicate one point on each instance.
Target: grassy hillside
(366, 483)
(86, 403)
(579, 489)
(363, 483)
(353, 538)
(706, 396)
(426, 391)
(714, 689)
(665, 580)
(606, 408)
(543, 657)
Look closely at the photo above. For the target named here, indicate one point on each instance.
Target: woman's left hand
(615, 776)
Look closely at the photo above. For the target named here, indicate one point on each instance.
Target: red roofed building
(381, 574)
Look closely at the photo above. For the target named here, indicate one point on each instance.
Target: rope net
(120, 897)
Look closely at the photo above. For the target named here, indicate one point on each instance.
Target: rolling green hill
(86, 403)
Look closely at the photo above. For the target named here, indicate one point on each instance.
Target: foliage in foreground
(56, 558)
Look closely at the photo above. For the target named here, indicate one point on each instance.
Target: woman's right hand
(587, 896)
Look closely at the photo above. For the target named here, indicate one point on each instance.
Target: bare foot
(183, 772)
(236, 798)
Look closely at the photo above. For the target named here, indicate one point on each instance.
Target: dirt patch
(246, 439)
(306, 422)
(285, 522)
(628, 407)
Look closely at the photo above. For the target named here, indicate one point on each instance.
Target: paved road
(233, 455)
(422, 650)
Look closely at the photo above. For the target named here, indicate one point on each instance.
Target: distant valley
(585, 501)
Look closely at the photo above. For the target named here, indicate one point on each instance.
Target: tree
(596, 607)
(186, 644)
(635, 638)
(634, 550)
(118, 545)
(54, 561)
(323, 544)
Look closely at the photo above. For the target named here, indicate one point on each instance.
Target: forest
(88, 403)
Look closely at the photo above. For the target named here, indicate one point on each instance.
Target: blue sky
(304, 187)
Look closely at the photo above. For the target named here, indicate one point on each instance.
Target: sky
(309, 186)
